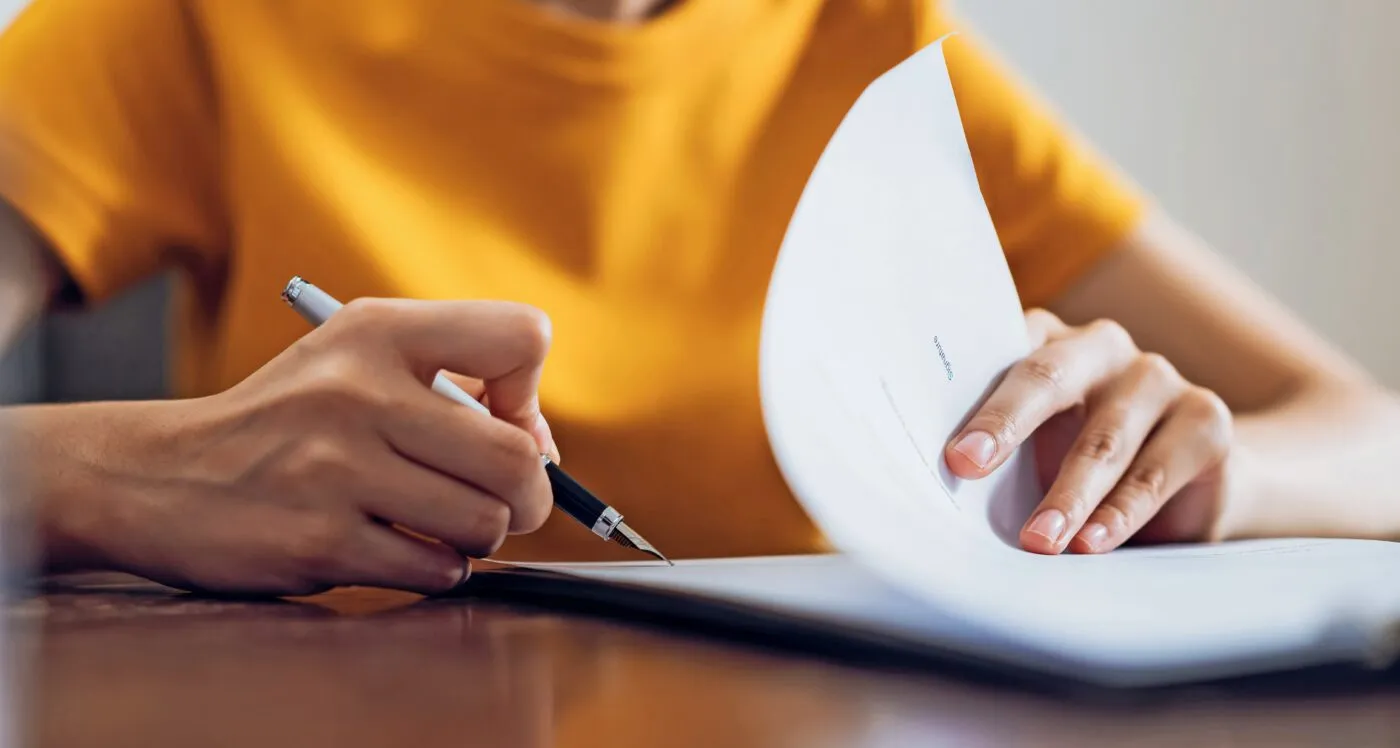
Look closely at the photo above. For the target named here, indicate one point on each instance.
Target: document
(891, 314)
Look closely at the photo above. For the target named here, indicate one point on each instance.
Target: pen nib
(628, 538)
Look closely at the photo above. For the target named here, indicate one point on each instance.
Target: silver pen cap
(313, 304)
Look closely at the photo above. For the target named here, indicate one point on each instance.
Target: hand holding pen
(317, 307)
(328, 466)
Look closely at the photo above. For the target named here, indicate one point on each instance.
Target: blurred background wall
(1271, 127)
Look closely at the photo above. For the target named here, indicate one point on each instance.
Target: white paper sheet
(891, 314)
(1187, 634)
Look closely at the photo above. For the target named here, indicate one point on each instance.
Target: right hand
(294, 481)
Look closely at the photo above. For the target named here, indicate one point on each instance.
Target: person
(602, 184)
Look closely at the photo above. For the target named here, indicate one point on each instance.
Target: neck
(622, 11)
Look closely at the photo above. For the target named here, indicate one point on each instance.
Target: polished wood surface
(111, 662)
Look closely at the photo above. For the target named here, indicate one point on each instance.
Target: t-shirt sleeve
(1058, 206)
(108, 138)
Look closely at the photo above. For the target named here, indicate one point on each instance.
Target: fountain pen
(316, 306)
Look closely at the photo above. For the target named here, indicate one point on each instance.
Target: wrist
(1241, 489)
(81, 480)
(55, 470)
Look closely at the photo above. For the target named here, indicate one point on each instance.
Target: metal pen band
(292, 291)
(606, 523)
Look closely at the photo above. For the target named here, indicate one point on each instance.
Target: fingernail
(1049, 524)
(545, 437)
(978, 446)
(455, 577)
(1093, 535)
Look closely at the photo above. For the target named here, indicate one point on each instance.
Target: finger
(379, 556)
(1052, 441)
(475, 388)
(1117, 423)
(470, 385)
(430, 503)
(1194, 437)
(544, 436)
(501, 343)
(490, 455)
(1048, 381)
(1043, 327)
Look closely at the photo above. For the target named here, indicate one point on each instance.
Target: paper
(890, 313)
(1187, 634)
(890, 316)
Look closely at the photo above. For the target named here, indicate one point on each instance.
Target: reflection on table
(117, 663)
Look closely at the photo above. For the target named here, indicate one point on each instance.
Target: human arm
(1314, 433)
(1173, 400)
(290, 481)
(1164, 385)
(304, 476)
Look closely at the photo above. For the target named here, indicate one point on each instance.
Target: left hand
(1124, 444)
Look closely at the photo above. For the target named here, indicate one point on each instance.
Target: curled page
(890, 316)
(891, 313)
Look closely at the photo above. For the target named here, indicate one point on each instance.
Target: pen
(316, 306)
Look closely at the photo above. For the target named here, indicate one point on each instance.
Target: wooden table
(112, 663)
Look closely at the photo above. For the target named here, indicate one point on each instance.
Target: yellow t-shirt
(633, 181)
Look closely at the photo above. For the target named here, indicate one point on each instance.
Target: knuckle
(364, 314)
(490, 524)
(1042, 319)
(1204, 403)
(1216, 421)
(1074, 502)
(1042, 371)
(1145, 483)
(337, 383)
(318, 462)
(533, 328)
(1115, 516)
(1110, 330)
(520, 456)
(1100, 444)
(538, 502)
(517, 460)
(318, 543)
(1001, 424)
(1157, 367)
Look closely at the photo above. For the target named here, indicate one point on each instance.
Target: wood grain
(111, 662)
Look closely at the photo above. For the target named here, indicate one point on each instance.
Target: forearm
(57, 496)
(1321, 463)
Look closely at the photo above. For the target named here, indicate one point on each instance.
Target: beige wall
(1272, 127)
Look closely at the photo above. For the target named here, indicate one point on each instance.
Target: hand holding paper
(1118, 433)
(891, 318)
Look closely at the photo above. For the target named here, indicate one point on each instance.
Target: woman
(622, 172)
